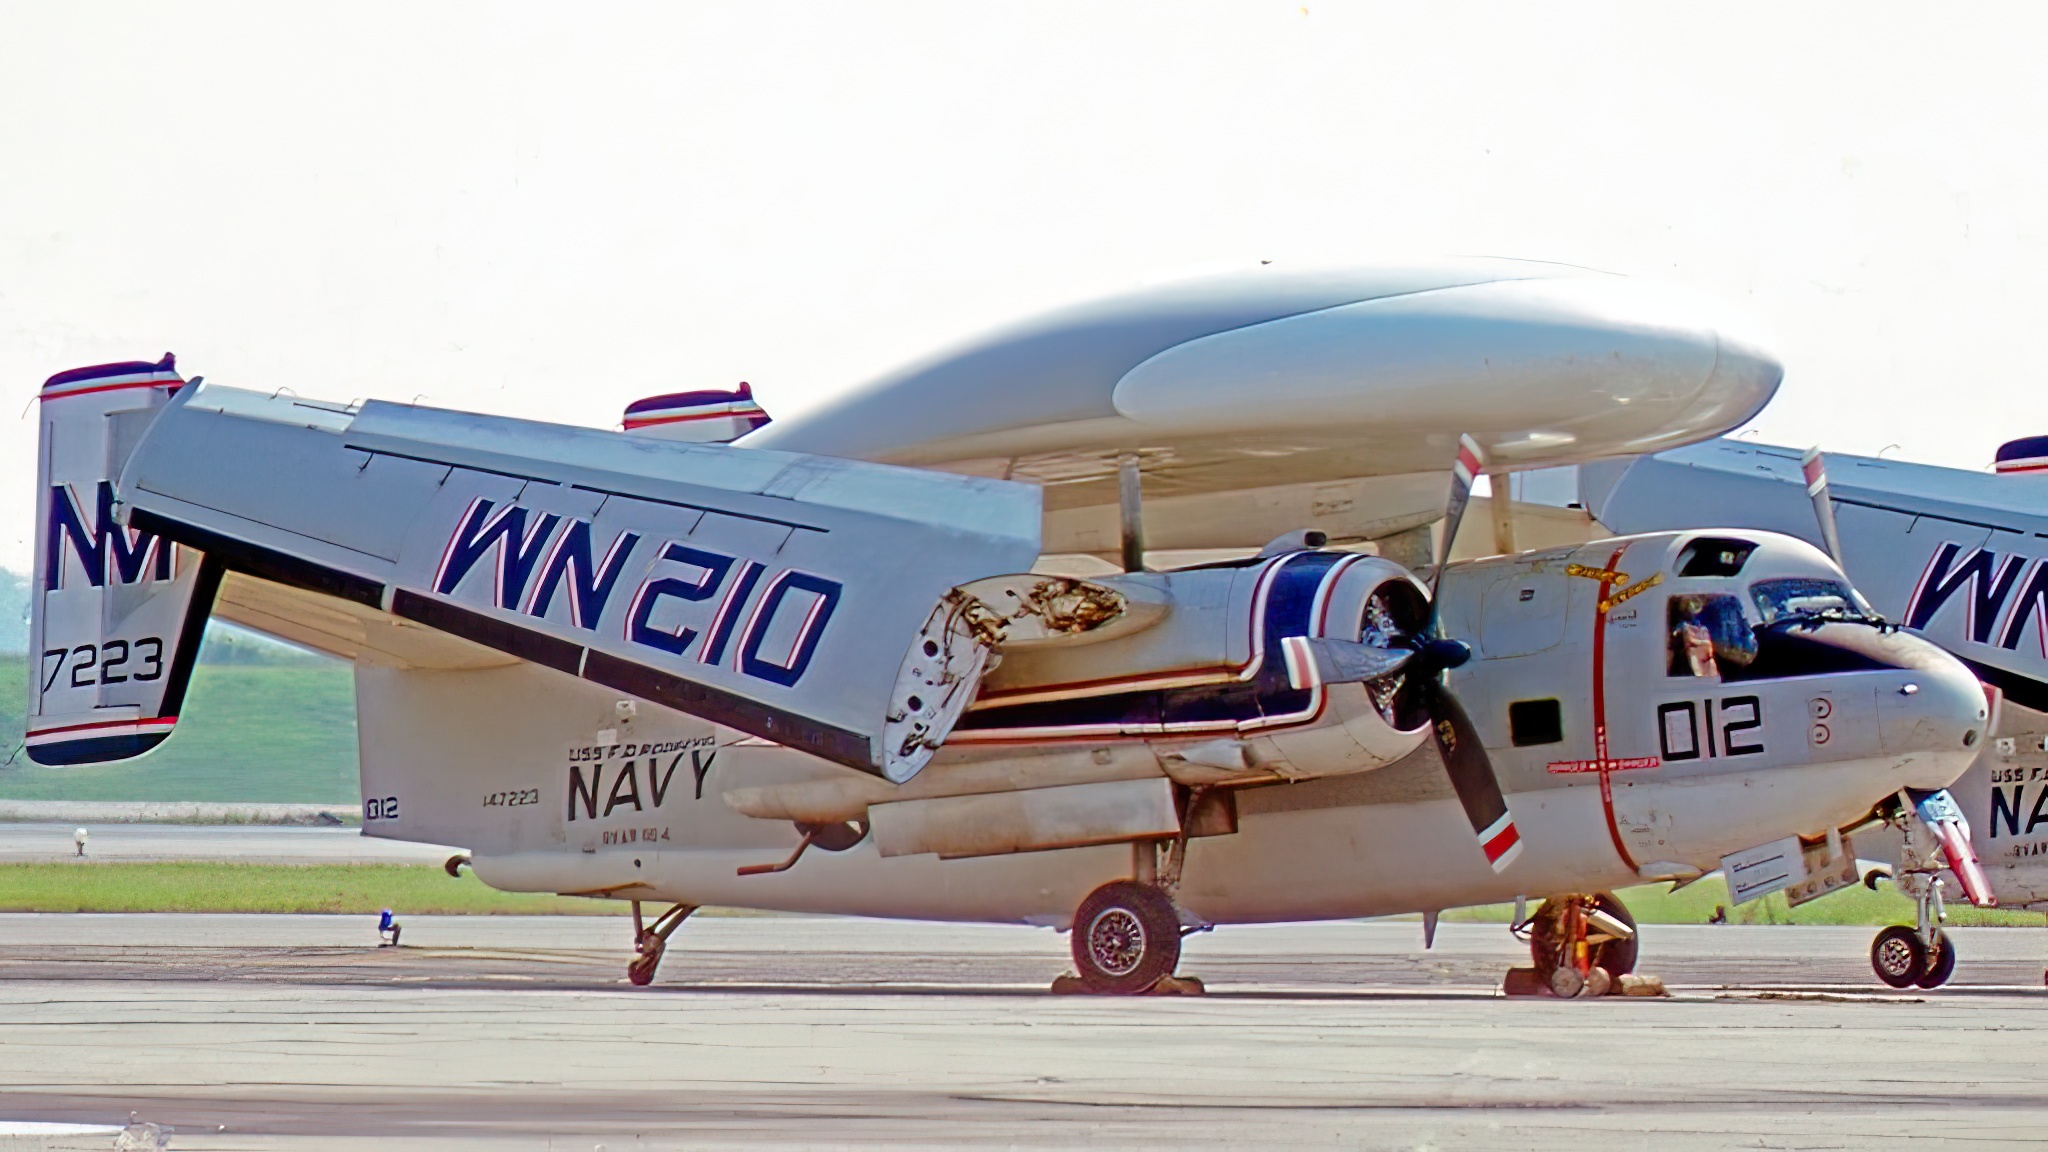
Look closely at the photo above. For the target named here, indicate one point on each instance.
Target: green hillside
(13, 611)
(263, 733)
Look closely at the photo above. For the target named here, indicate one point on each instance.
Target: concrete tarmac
(296, 1033)
(242, 843)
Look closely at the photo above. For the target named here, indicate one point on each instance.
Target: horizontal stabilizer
(770, 592)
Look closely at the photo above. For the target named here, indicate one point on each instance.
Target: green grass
(207, 886)
(424, 889)
(1653, 904)
(277, 733)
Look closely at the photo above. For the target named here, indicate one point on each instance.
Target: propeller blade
(1471, 773)
(1823, 507)
(1312, 661)
(1470, 463)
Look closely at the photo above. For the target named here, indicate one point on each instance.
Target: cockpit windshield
(1810, 626)
(1808, 600)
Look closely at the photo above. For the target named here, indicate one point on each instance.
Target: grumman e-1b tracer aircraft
(836, 666)
(1956, 556)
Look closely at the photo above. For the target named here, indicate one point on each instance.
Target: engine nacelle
(1195, 662)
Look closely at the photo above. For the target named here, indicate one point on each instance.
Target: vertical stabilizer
(708, 417)
(117, 614)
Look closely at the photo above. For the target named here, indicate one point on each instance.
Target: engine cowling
(1196, 663)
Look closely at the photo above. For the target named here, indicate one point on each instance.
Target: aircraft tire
(1126, 937)
(1941, 963)
(1617, 956)
(1898, 957)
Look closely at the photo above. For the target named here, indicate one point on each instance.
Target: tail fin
(714, 416)
(117, 614)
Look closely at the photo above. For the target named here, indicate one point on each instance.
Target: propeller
(1428, 654)
(1816, 471)
(1464, 754)
(1471, 461)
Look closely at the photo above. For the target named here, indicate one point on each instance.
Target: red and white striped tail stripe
(99, 730)
(1501, 843)
(684, 413)
(150, 377)
(2025, 464)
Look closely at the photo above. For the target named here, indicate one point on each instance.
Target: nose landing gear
(1921, 954)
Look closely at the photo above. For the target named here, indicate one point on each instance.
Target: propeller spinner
(1413, 667)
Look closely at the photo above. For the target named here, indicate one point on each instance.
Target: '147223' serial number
(512, 799)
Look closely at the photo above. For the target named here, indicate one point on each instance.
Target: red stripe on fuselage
(1600, 708)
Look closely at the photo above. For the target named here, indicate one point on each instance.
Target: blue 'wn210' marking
(693, 602)
(1985, 580)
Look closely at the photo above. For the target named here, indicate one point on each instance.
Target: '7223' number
(114, 662)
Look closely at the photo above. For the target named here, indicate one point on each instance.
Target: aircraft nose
(1935, 713)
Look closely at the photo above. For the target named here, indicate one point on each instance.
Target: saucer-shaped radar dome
(711, 416)
(2027, 454)
(1276, 375)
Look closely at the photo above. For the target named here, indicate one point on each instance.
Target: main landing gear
(1127, 933)
(1126, 938)
(1582, 944)
(1921, 954)
(650, 941)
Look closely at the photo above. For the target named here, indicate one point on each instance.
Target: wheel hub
(1116, 942)
(1896, 957)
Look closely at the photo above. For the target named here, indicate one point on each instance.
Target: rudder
(116, 615)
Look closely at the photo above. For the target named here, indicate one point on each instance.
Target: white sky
(550, 210)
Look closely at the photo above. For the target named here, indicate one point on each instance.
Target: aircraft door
(1523, 611)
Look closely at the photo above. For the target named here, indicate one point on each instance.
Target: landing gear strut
(650, 941)
(1582, 943)
(1922, 954)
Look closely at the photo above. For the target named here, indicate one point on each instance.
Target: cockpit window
(1807, 599)
(1714, 556)
(1708, 635)
(1813, 626)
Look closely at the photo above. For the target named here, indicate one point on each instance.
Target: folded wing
(782, 595)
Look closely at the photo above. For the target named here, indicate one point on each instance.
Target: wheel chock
(1068, 984)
